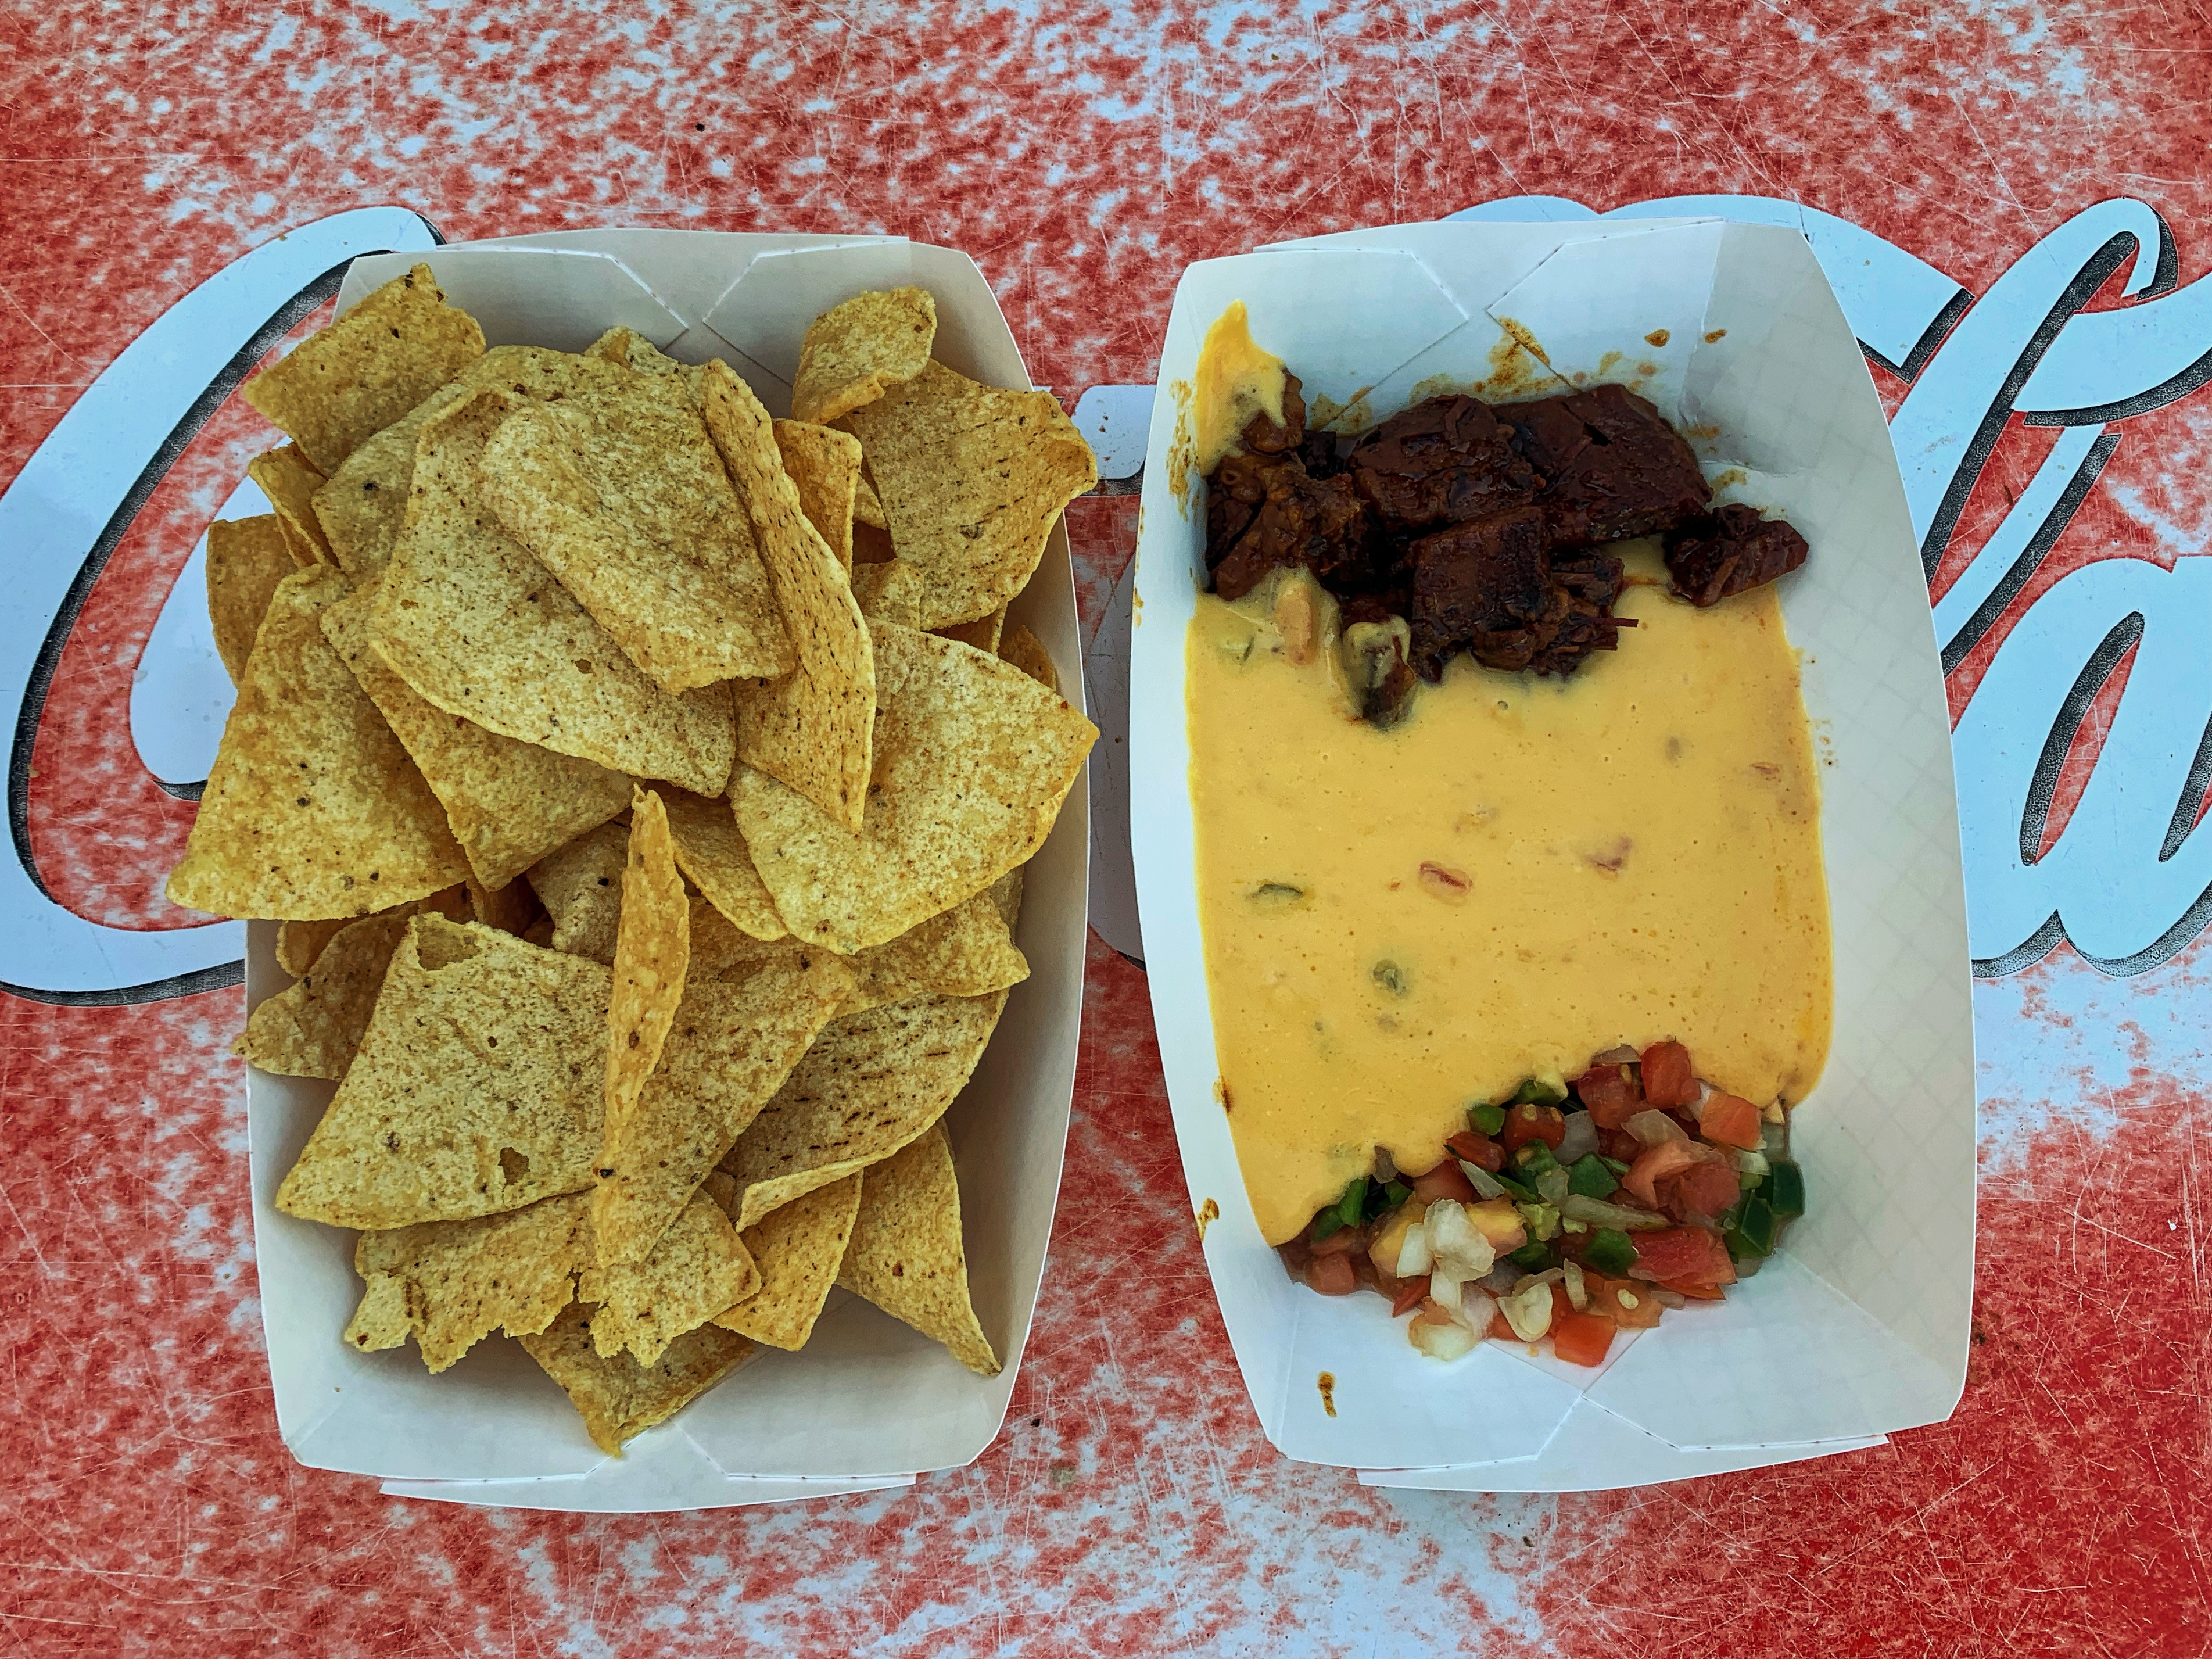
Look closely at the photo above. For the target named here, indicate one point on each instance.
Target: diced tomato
(1730, 1121)
(1625, 1303)
(1447, 1180)
(1674, 1256)
(1620, 1145)
(1500, 1330)
(1562, 1307)
(1669, 1080)
(1479, 1150)
(1526, 1123)
(1702, 1190)
(1609, 1095)
(1653, 1165)
(1699, 1292)
(1582, 1339)
(1333, 1275)
(1408, 1294)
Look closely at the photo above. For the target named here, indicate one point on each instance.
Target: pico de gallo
(1567, 1213)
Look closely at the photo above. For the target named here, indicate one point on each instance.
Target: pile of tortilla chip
(642, 787)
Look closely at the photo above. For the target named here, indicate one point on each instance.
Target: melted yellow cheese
(1236, 379)
(1641, 854)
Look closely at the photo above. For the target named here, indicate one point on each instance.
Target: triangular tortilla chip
(508, 804)
(313, 1028)
(1006, 893)
(854, 352)
(871, 1083)
(245, 560)
(631, 349)
(367, 369)
(734, 1041)
(477, 1088)
(797, 1249)
(812, 729)
(653, 950)
(290, 481)
(619, 1399)
(481, 629)
(905, 1255)
(300, 944)
(1027, 653)
(964, 952)
(451, 1284)
(972, 761)
(617, 491)
(313, 808)
(982, 633)
(868, 506)
(971, 478)
(711, 852)
(890, 592)
(824, 465)
(581, 887)
(697, 1268)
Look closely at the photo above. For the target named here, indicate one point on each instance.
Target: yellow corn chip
(477, 1088)
(854, 352)
(964, 952)
(871, 1083)
(1007, 895)
(245, 560)
(508, 804)
(290, 481)
(617, 491)
(890, 592)
(711, 855)
(580, 886)
(720, 949)
(313, 808)
(451, 1284)
(632, 350)
(868, 506)
(313, 1028)
(481, 629)
(1027, 653)
(982, 633)
(367, 369)
(300, 944)
(619, 1399)
(733, 1042)
(905, 1255)
(810, 729)
(653, 949)
(697, 1268)
(971, 478)
(972, 761)
(797, 1249)
(824, 464)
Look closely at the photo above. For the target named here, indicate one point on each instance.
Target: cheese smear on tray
(1402, 921)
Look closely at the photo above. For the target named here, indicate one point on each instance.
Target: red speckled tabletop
(1083, 154)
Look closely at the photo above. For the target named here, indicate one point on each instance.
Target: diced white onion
(1446, 1341)
(1754, 1165)
(1581, 1139)
(1456, 1241)
(1577, 1292)
(1501, 1279)
(1414, 1257)
(1443, 1291)
(1552, 1186)
(1598, 1213)
(1478, 1178)
(1528, 1309)
(1654, 1127)
(1665, 1297)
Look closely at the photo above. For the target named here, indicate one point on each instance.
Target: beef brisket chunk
(1591, 581)
(1717, 556)
(1484, 586)
(1263, 436)
(1443, 461)
(1613, 467)
(1264, 512)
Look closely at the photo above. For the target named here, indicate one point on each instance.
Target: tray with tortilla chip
(653, 797)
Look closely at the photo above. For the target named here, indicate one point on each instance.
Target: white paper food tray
(1859, 1326)
(869, 1402)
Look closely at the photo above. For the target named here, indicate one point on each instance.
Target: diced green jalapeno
(1539, 1091)
(1326, 1222)
(1396, 1194)
(1590, 1178)
(1613, 1164)
(1532, 1255)
(1753, 1232)
(1354, 1199)
(1533, 1159)
(1785, 1190)
(1485, 1120)
(1610, 1252)
(1518, 1191)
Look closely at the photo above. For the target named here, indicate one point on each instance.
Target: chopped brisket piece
(1262, 436)
(1625, 472)
(1263, 511)
(1440, 462)
(1717, 556)
(1485, 585)
(1591, 581)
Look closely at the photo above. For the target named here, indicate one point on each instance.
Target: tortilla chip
(982, 633)
(698, 1267)
(971, 478)
(720, 949)
(508, 804)
(810, 729)
(300, 944)
(797, 1249)
(711, 854)
(245, 560)
(619, 1399)
(856, 352)
(964, 952)
(972, 761)
(871, 1082)
(367, 369)
(581, 887)
(1007, 895)
(480, 628)
(824, 465)
(653, 949)
(631, 349)
(868, 506)
(451, 1284)
(313, 808)
(290, 481)
(313, 1028)
(890, 592)
(1027, 653)
(616, 490)
(477, 1088)
(905, 1255)
(734, 1041)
